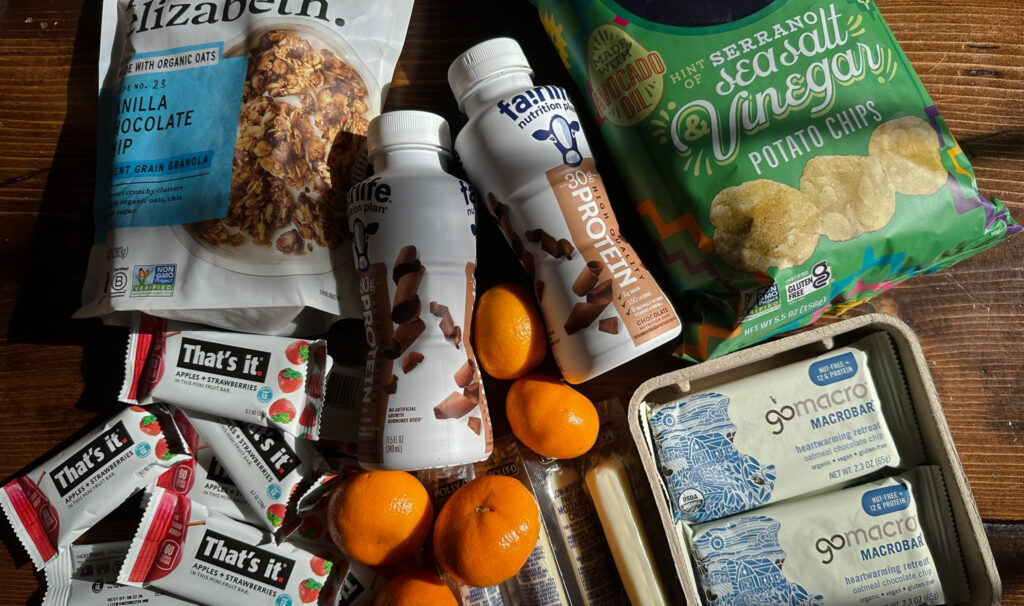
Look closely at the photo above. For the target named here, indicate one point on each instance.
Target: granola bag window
(783, 155)
(229, 134)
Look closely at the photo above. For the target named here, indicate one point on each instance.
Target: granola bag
(784, 156)
(229, 132)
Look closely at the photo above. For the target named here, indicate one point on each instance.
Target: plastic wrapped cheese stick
(786, 432)
(609, 487)
(887, 542)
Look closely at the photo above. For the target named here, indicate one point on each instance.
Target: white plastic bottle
(414, 227)
(525, 152)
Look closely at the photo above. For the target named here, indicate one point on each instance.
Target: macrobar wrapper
(86, 575)
(587, 280)
(55, 503)
(274, 381)
(403, 337)
(786, 432)
(891, 541)
(466, 373)
(609, 325)
(602, 294)
(183, 549)
(268, 466)
(454, 406)
(582, 316)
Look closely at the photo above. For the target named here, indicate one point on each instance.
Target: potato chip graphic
(853, 194)
(761, 224)
(908, 149)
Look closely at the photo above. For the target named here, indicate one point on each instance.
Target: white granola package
(229, 132)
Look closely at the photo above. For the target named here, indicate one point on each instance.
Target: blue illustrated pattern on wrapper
(706, 476)
(741, 564)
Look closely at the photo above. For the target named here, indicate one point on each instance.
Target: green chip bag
(784, 156)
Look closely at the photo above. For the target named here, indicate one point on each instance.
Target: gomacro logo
(856, 537)
(225, 360)
(87, 460)
(836, 397)
(251, 562)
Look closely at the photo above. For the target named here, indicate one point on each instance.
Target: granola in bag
(783, 155)
(229, 134)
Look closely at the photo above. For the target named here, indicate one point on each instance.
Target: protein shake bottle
(413, 228)
(524, 149)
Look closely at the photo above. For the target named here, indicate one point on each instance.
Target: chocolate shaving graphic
(407, 302)
(533, 235)
(447, 325)
(457, 338)
(548, 244)
(437, 309)
(391, 386)
(582, 316)
(498, 209)
(529, 264)
(406, 262)
(602, 293)
(587, 280)
(609, 325)
(517, 244)
(565, 249)
(538, 289)
(474, 424)
(411, 361)
(403, 337)
(455, 406)
(465, 374)
(472, 392)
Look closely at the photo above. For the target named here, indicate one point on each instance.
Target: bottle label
(614, 291)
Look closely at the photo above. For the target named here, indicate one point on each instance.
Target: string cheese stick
(616, 507)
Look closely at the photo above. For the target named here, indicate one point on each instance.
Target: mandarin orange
(486, 530)
(415, 587)
(380, 517)
(551, 418)
(508, 333)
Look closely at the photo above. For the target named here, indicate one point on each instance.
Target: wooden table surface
(58, 374)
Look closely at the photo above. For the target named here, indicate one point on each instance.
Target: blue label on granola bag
(888, 499)
(175, 122)
(832, 370)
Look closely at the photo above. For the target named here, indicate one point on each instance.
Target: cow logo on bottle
(562, 133)
(360, 242)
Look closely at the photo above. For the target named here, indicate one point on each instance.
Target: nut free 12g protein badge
(783, 155)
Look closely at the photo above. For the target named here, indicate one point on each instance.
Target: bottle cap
(408, 128)
(483, 61)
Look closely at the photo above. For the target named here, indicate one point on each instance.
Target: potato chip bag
(783, 155)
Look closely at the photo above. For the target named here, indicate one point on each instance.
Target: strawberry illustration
(281, 411)
(311, 528)
(308, 416)
(275, 513)
(289, 380)
(163, 453)
(149, 425)
(297, 352)
(322, 563)
(309, 591)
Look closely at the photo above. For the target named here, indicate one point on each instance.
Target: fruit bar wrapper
(269, 467)
(891, 541)
(274, 381)
(86, 575)
(540, 582)
(187, 551)
(783, 155)
(785, 432)
(575, 529)
(55, 503)
(204, 480)
(441, 483)
(615, 483)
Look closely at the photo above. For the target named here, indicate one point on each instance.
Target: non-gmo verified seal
(153, 280)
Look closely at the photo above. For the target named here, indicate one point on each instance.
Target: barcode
(343, 388)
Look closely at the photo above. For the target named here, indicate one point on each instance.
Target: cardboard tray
(983, 578)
